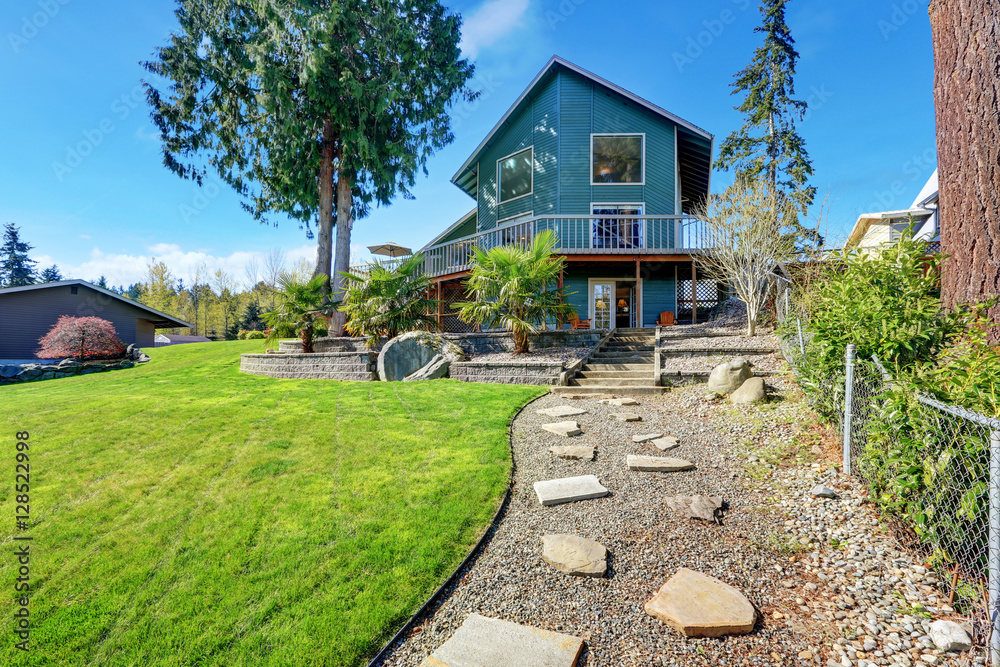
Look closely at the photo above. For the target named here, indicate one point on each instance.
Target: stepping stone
(575, 555)
(626, 416)
(706, 508)
(667, 443)
(620, 402)
(702, 606)
(561, 411)
(574, 453)
(646, 437)
(491, 642)
(568, 489)
(657, 463)
(565, 429)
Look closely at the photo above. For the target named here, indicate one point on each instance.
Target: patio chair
(577, 323)
(666, 319)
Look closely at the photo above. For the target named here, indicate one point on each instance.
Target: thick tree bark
(966, 36)
(342, 260)
(324, 249)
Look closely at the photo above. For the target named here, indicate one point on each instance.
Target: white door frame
(590, 296)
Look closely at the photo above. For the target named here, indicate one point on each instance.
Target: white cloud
(494, 19)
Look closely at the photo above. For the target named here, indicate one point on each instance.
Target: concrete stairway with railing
(622, 365)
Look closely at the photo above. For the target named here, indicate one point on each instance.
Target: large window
(514, 175)
(618, 158)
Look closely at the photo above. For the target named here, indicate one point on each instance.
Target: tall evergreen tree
(16, 268)
(103, 282)
(51, 275)
(768, 146)
(306, 105)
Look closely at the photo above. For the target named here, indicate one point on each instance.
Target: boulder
(950, 636)
(702, 606)
(9, 371)
(69, 363)
(729, 376)
(575, 555)
(436, 368)
(751, 391)
(407, 354)
(706, 508)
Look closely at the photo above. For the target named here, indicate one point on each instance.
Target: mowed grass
(186, 514)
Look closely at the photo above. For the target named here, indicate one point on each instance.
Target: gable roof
(554, 62)
(458, 223)
(160, 320)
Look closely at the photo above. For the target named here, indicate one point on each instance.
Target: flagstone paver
(657, 463)
(620, 402)
(575, 555)
(565, 429)
(626, 416)
(646, 437)
(666, 443)
(702, 606)
(492, 642)
(569, 489)
(574, 452)
(561, 411)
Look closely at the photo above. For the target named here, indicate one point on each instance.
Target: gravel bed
(546, 354)
(753, 550)
(730, 342)
(760, 362)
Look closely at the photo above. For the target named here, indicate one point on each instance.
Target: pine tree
(768, 146)
(51, 275)
(16, 268)
(103, 282)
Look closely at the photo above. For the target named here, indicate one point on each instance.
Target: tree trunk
(324, 250)
(307, 339)
(342, 261)
(966, 36)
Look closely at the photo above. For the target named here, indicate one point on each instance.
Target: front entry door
(602, 305)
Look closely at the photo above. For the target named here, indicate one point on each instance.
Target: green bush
(253, 335)
(388, 301)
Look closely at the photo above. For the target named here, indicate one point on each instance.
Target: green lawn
(186, 514)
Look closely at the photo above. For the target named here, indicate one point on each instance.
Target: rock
(728, 377)
(817, 450)
(406, 354)
(561, 411)
(646, 437)
(568, 489)
(620, 402)
(9, 371)
(575, 555)
(626, 416)
(574, 453)
(702, 606)
(436, 368)
(491, 642)
(565, 429)
(950, 636)
(751, 391)
(823, 491)
(143, 357)
(706, 508)
(69, 363)
(127, 364)
(271, 351)
(657, 463)
(666, 443)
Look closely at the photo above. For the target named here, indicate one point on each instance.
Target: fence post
(849, 357)
(994, 550)
(802, 340)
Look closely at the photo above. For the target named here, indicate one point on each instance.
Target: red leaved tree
(80, 337)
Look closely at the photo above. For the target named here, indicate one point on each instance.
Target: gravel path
(548, 354)
(727, 342)
(742, 454)
(760, 362)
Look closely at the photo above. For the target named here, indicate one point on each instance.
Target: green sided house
(614, 176)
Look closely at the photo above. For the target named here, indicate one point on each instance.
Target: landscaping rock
(706, 508)
(950, 636)
(436, 368)
(666, 443)
(728, 377)
(574, 453)
(823, 491)
(407, 354)
(626, 416)
(69, 363)
(565, 429)
(646, 437)
(9, 371)
(657, 463)
(575, 555)
(751, 391)
(568, 489)
(491, 642)
(620, 402)
(698, 605)
(561, 411)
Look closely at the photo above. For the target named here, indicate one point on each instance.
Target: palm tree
(299, 305)
(509, 287)
(388, 301)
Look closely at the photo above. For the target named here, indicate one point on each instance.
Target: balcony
(580, 235)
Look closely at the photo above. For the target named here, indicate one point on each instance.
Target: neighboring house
(28, 313)
(615, 176)
(873, 230)
(163, 340)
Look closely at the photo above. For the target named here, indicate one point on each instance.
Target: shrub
(302, 306)
(254, 335)
(80, 337)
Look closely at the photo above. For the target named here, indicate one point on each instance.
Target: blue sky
(81, 172)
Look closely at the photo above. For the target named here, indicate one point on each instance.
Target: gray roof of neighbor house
(176, 339)
(159, 319)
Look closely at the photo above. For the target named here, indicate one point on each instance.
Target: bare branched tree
(743, 227)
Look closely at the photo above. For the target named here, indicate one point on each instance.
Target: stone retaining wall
(325, 344)
(502, 341)
(355, 366)
(508, 372)
(14, 374)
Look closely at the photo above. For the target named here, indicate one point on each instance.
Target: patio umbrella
(389, 249)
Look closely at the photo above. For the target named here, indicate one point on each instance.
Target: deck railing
(585, 234)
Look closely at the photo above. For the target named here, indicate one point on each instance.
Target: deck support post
(638, 293)
(559, 322)
(694, 292)
(439, 303)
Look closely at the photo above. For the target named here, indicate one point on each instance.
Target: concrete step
(621, 358)
(647, 373)
(618, 382)
(618, 367)
(617, 390)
